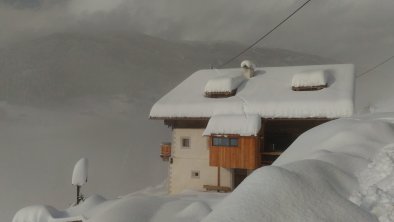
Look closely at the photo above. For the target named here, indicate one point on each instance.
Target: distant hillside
(68, 65)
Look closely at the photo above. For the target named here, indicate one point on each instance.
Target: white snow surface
(376, 193)
(224, 84)
(243, 125)
(314, 178)
(151, 204)
(311, 78)
(340, 171)
(80, 172)
(268, 94)
(382, 106)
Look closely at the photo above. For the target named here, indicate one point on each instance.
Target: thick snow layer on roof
(311, 78)
(268, 94)
(243, 125)
(224, 83)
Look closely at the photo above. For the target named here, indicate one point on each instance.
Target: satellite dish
(80, 173)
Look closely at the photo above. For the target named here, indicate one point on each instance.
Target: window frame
(228, 142)
(183, 138)
(195, 174)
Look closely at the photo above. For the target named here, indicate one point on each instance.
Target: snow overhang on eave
(242, 125)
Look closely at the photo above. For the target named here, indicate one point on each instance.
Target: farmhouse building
(226, 123)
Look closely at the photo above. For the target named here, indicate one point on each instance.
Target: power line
(375, 67)
(264, 36)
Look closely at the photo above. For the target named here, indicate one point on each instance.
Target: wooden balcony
(165, 151)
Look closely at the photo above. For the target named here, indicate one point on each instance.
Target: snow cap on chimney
(248, 68)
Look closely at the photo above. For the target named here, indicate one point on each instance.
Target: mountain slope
(67, 65)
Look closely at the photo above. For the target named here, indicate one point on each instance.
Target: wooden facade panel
(244, 156)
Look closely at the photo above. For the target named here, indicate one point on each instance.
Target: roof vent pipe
(248, 68)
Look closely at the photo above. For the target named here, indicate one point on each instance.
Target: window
(233, 141)
(185, 142)
(224, 141)
(195, 174)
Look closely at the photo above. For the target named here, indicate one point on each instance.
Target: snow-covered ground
(339, 171)
(151, 204)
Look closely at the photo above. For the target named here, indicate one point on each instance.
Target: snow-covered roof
(243, 125)
(311, 78)
(225, 84)
(268, 94)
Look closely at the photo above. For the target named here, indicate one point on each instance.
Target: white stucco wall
(195, 158)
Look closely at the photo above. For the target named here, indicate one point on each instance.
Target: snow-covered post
(80, 177)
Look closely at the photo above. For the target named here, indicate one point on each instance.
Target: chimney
(248, 68)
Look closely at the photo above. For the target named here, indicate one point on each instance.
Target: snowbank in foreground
(151, 204)
(314, 178)
(376, 192)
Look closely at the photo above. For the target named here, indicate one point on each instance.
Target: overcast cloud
(354, 31)
(342, 29)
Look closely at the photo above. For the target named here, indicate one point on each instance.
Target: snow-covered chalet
(228, 122)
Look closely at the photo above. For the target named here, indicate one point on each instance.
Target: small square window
(195, 174)
(185, 142)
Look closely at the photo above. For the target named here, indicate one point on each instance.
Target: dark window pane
(225, 142)
(234, 142)
(185, 142)
(216, 141)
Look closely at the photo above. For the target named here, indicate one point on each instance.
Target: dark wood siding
(278, 134)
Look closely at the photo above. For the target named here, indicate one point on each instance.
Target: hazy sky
(356, 31)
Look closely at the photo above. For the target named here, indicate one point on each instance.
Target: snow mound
(243, 125)
(355, 140)
(42, 213)
(224, 84)
(382, 106)
(80, 173)
(306, 191)
(36, 214)
(197, 211)
(376, 192)
(310, 78)
(314, 178)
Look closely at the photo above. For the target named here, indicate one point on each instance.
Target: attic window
(224, 86)
(309, 81)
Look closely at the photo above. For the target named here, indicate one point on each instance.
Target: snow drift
(314, 178)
